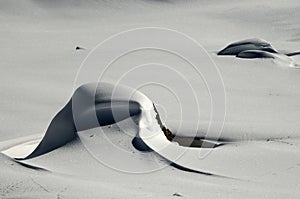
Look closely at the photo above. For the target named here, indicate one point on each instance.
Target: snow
(259, 157)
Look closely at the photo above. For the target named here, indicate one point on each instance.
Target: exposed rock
(177, 194)
(79, 48)
(170, 136)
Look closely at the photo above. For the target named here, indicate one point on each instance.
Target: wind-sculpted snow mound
(101, 104)
(258, 48)
(248, 44)
(255, 54)
(121, 128)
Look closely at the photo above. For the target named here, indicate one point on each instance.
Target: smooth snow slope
(100, 104)
(109, 104)
(39, 64)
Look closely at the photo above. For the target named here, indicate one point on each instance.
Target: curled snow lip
(248, 44)
(110, 105)
(259, 48)
(256, 54)
(63, 129)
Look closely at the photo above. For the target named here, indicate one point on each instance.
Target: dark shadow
(140, 145)
(30, 166)
(196, 142)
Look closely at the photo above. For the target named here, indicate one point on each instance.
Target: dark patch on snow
(31, 166)
(177, 194)
(196, 142)
(169, 135)
(190, 170)
(293, 54)
(140, 145)
(79, 48)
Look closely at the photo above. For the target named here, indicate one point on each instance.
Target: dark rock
(177, 194)
(79, 48)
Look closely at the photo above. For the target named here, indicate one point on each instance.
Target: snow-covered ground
(39, 64)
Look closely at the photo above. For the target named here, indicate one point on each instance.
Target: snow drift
(248, 44)
(108, 106)
(258, 48)
(100, 104)
(94, 106)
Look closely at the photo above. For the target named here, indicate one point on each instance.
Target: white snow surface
(260, 156)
